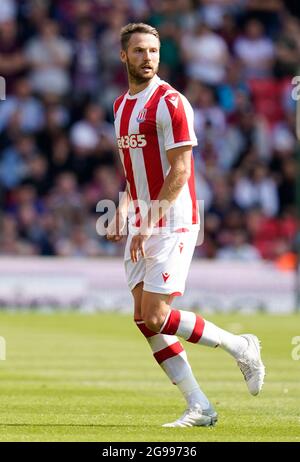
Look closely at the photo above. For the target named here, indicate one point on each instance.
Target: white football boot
(251, 365)
(195, 417)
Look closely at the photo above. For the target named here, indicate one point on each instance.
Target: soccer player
(154, 129)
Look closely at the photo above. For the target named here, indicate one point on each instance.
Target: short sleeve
(176, 119)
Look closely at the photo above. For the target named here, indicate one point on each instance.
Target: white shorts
(165, 267)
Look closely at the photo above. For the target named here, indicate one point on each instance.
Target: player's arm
(179, 173)
(118, 223)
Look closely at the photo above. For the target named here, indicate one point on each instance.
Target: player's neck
(135, 87)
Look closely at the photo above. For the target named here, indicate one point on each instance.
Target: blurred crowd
(233, 59)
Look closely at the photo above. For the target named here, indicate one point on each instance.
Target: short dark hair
(132, 28)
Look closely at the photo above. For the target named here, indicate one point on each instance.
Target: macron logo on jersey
(174, 99)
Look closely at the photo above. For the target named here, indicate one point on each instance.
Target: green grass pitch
(75, 377)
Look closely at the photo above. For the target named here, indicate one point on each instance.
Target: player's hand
(137, 246)
(114, 237)
(114, 230)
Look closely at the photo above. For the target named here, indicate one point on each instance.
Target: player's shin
(171, 356)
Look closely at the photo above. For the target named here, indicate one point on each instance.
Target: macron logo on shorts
(180, 245)
(165, 276)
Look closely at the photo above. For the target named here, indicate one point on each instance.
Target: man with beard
(155, 133)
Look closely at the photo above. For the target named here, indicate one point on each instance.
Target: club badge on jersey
(141, 116)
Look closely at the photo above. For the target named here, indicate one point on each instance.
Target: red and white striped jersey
(148, 124)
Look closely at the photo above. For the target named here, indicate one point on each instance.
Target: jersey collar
(155, 81)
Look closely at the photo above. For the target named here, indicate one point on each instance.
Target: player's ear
(123, 56)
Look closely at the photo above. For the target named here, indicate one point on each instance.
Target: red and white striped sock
(171, 356)
(167, 351)
(195, 329)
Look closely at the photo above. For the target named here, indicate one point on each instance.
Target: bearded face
(141, 57)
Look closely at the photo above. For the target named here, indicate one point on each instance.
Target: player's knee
(154, 321)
